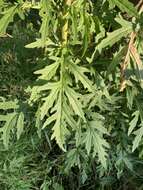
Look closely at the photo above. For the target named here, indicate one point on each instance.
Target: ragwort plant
(87, 93)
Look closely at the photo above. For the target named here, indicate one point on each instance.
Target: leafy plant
(86, 91)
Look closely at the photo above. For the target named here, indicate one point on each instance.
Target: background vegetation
(71, 86)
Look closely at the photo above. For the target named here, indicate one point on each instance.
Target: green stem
(64, 43)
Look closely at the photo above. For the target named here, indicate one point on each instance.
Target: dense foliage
(71, 106)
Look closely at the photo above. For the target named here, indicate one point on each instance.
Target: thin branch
(65, 27)
(131, 50)
(126, 61)
(139, 4)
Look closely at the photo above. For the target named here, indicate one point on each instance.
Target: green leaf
(7, 18)
(11, 120)
(39, 43)
(60, 131)
(57, 118)
(116, 61)
(9, 124)
(49, 101)
(114, 37)
(137, 140)
(126, 6)
(73, 159)
(48, 72)
(49, 120)
(68, 115)
(88, 141)
(134, 121)
(79, 74)
(9, 105)
(74, 101)
(93, 139)
(45, 13)
(100, 146)
(99, 126)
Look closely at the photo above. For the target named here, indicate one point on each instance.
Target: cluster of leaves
(87, 91)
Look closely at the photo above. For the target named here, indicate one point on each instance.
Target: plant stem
(65, 27)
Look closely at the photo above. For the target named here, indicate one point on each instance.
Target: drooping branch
(131, 51)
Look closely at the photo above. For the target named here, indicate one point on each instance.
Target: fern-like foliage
(72, 95)
(12, 118)
(60, 95)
